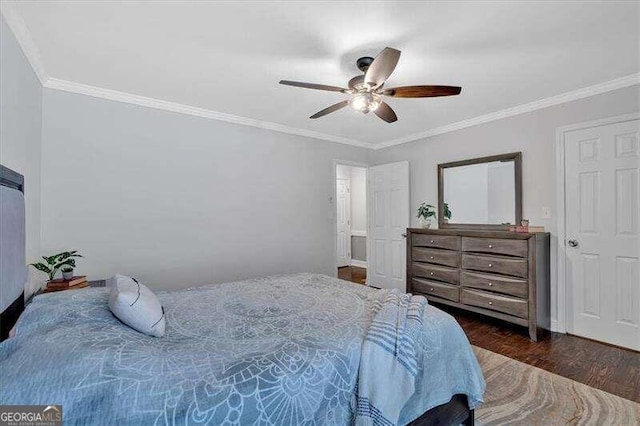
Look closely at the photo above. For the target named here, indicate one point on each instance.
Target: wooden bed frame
(455, 412)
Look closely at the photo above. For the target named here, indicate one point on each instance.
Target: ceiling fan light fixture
(365, 102)
(367, 89)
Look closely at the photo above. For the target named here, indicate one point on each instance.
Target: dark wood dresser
(500, 274)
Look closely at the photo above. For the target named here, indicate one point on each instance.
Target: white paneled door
(388, 221)
(602, 244)
(343, 215)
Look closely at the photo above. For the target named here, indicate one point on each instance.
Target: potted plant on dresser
(64, 262)
(446, 212)
(425, 213)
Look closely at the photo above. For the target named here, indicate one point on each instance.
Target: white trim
(359, 263)
(558, 293)
(559, 296)
(358, 233)
(114, 95)
(585, 92)
(23, 36)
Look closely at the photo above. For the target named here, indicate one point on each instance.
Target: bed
(276, 350)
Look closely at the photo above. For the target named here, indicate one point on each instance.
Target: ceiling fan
(367, 89)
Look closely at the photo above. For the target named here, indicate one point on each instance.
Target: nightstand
(96, 283)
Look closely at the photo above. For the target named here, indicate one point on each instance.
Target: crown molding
(23, 36)
(574, 95)
(114, 95)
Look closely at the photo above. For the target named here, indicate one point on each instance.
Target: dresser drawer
(440, 273)
(507, 285)
(444, 291)
(496, 246)
(438, 241)
(441, 257)
(495, 302)
(495, 264)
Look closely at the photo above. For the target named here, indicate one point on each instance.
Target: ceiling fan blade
(385, 112)
(382, 67)
(329, 110)
(422, 91)
(313, 86)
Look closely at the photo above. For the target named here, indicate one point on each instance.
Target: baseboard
(554, 327)
(359, 263)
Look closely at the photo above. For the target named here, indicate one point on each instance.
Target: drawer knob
(490, 265)
(430, 273)
(431, 241)
(490, 284)
(490, 245)
(491, 303)
(431, 257)
(430, 289)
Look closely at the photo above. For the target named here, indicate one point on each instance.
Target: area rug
(520, 394)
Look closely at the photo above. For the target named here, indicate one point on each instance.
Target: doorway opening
(351, 222)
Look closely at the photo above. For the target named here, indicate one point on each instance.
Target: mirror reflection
(483, 193)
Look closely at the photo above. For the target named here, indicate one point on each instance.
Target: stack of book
(62, 284)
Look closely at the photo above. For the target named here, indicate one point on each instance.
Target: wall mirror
(481, 193)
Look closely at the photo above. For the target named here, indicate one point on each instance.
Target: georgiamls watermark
(30, 415)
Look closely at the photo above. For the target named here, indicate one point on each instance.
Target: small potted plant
(425, 213)
(67, 273)
(52, 264)
(446, 212)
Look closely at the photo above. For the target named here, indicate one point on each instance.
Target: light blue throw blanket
(390, 358)
(283, 350)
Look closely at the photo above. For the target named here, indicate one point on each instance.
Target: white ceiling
(229, 57)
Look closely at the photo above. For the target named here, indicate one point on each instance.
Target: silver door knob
(404, 235)
(573, 243)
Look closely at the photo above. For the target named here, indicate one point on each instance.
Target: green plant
(426, 211)
(446, 212)
(57, 261)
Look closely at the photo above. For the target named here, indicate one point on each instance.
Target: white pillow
(136, 306)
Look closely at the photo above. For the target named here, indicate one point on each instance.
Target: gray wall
(533, 133)
(359, 248)
(21, 132)
(178, 200)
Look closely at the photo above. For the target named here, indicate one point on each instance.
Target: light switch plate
(546, 212)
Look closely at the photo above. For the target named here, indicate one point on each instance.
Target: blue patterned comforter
(279, 350)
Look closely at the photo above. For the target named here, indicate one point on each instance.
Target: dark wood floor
(353, 274)
(611, 369)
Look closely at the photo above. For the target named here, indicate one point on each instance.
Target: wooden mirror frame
(516, 157)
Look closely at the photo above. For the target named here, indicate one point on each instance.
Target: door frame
(334, 175)
(559, 294)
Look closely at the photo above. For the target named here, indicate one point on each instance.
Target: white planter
(67, 275)
(425, 223)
